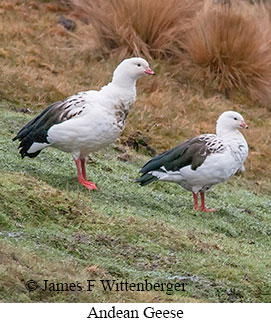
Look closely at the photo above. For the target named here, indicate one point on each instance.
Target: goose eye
(139, 65)
(235, 118)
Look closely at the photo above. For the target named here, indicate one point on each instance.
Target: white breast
(217, 168)
(99, 125)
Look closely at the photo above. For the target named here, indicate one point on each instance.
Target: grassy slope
(52, 228)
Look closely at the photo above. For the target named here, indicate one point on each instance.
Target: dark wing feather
(36, 122)
(192, 152)
(164, 158)
(36, 130)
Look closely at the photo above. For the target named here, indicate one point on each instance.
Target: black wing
(36, 130)
(192, 152)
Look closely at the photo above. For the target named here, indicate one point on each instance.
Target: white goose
(85, 122)
(202, 162)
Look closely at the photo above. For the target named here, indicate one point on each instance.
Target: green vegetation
(52, 228)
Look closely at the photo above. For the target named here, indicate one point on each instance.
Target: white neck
(119, 92)
(222, 132)
(233, 137)
(124, 82)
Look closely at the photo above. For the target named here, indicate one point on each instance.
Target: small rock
(246, 210)
(67, 23)
(124, 157)
(24, 110)
(193, 279)
(137, 140)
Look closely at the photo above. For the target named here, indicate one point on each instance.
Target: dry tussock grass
(40, 63)
(152, 28)
(228, 43)
(229, 47)
(169, 117)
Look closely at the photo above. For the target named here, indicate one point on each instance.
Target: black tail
(27, 136)
(25, 144)
(146, 179)
(35, 131)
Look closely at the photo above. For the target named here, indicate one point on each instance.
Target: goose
(87, 121)
(202, 162)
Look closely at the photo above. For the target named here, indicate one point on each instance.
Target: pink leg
(202, 207)
(196, 201)
(83, 167)
(81, 172)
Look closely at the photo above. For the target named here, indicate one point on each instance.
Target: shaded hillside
(53, 229)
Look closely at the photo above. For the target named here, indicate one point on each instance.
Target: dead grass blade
(152, 28)
(229, 47)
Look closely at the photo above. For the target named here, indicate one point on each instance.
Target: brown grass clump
(41, 62)
(229, 47)
(152, 28)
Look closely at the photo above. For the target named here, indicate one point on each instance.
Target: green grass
(53, 228)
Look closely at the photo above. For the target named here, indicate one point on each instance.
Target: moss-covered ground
(51, 228)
